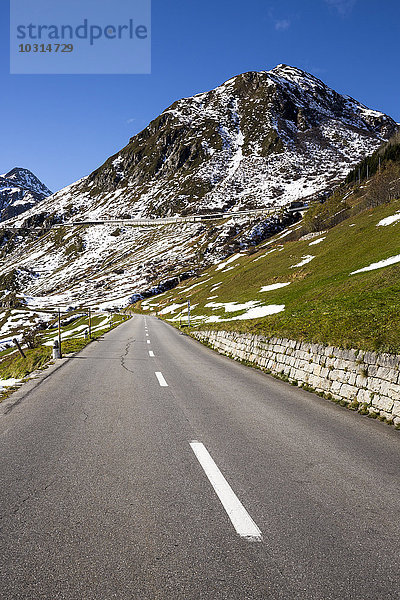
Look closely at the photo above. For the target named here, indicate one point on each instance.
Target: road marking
(147, 335)
(148, 341)
(239, 516)
(161, 379)
(151, 353)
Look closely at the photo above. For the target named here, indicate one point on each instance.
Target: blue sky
(64, 126)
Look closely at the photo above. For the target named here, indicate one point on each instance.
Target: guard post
(56, 349)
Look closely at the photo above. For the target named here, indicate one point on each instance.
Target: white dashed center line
(151, 353)
(148, 341)
(239, 516)
(161, 379)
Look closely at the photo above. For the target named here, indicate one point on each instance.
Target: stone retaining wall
(367, 380)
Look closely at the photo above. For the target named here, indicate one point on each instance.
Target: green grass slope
(323, 302)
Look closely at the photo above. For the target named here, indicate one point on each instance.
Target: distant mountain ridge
(20, 190)
(261, 139)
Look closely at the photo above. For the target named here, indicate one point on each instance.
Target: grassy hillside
(322, 301)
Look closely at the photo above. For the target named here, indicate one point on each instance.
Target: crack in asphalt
(124, 356)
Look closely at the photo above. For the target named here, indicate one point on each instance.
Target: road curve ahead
(148, 467)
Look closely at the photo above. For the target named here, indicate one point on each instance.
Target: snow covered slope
(19, 190)
(261, 139)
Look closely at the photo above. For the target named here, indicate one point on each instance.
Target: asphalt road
(104, 495)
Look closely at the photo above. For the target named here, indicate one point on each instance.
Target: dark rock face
(20, 190)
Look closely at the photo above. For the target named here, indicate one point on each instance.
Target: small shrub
(32, 338)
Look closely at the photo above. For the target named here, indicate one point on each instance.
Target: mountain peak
(291, 71)
(20, 190)
(27, 180)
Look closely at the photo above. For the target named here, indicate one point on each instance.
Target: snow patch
(172, 308)
(227, 262)
(5, 383)
(255, 312)
(317, 242)
(231, 306)
(389, 220)
(274, 286)
(305, 261)
(379, 265)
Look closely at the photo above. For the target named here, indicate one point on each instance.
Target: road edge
(36, 378)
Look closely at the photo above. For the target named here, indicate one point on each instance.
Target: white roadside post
(56, 349)
(188, 313)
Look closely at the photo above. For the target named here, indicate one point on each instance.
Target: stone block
(361, 381)
(396, 408)
(350, 354)
(314, 381)
(372, 370)
(374, 385)
(335, 375)
(388, 416)
(330, 362)
(349, 392)
(324, 373)
(389, 374)
(346, 376)
(336, 388)
(345, 365)
(352, 378)
(316, 369)
(383, 403)
(370, 358)
(363, 396)
(324, 384)
(393, 391)
(392, 361)
(389, 389)
(329, 351)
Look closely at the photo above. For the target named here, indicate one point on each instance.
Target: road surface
(149, 467)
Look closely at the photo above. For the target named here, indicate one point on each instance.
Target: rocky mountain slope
(20, 190)
(259, 140)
